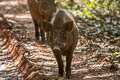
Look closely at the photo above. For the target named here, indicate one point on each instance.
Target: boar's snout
(56, 49)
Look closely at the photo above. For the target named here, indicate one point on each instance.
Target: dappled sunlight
(9, 3)
(18, 16)
(12, 7)
(96, 56)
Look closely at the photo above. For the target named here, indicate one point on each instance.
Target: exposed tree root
(11, 46)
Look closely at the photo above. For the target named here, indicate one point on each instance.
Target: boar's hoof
(37, 38)
(61, 73)
(68, 76)
(43, 42)
(56, 50)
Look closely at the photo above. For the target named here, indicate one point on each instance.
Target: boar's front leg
(36, 30)
(60, 63)
(68, 64)
(42, 32)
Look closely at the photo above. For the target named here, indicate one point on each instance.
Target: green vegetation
(104, 15)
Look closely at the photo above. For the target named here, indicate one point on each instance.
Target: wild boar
(62, 36)
(41, 10)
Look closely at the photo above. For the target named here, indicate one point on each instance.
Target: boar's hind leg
(60, 63)
(36, 30)
(42, 33)
(68, 64)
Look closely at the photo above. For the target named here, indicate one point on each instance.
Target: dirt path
(88, 63)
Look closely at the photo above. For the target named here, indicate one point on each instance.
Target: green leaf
(115, 54)
(87, 12)
(93, 16)
(58, 4)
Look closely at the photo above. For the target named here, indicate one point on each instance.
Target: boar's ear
(68, 25)
(47, 26)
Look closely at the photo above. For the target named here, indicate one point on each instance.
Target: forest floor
(92, 59)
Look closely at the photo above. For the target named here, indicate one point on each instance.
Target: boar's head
(58, 35)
